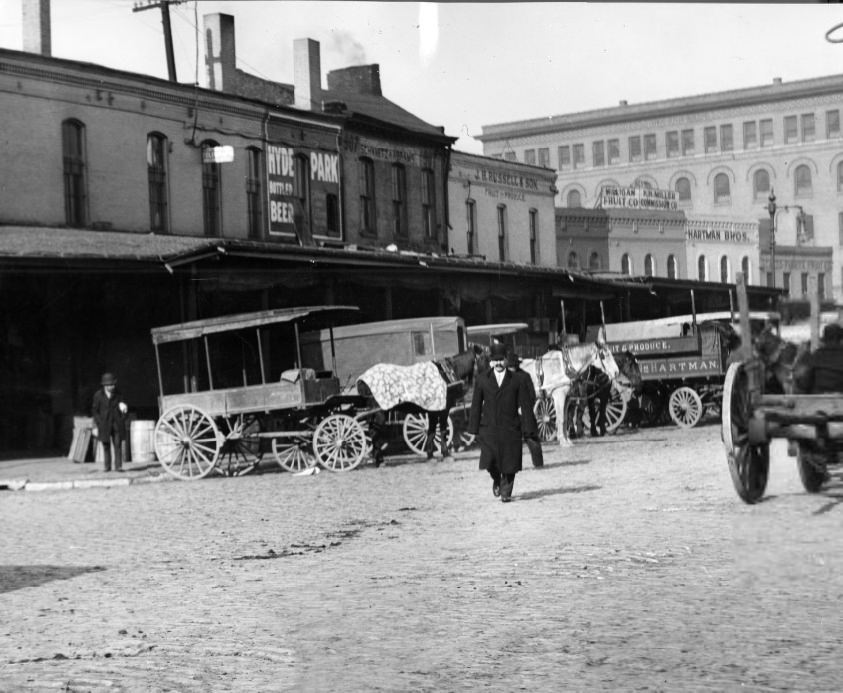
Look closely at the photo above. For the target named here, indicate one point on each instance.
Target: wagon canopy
(228, 323)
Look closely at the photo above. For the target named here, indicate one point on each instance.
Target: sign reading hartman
(636, 198)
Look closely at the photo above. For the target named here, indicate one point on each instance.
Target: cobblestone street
(627, 563)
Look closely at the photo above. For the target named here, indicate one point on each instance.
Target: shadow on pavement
(16, 577)
(566, 463)
(532, 495)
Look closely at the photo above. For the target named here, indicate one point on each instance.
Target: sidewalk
(45, 473)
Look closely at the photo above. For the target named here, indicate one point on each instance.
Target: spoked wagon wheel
(685, 407)
(339, 443)
(749, 463)
(293, 454)
(545, 417)
(812, 467)
(415, 433)
(187, 442)
(241, 449)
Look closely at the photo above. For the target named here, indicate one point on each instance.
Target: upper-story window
(254, 192)
(74, 166)
(564, 154)
(428, 203)
(635, 148)
(211, 191)
(301, 193)
(594, 261)
(597, 153)
(809, 128)
(574, 199)
(750, 135)
(530, 156)
(366, 174)
(399, 201)
(672, 270)
(727, 142)
(832, 123)
(840, 177)
(722, 192)
(746, 269)
(710, 138)
(534, 236)
(724, 269)
(573, 260)
(802, 181)
(766, 127)
(683, 189)
(650, 147)
(760, 184)
(544, 157)
(614, 151)
(156, 174)
(649, 266)
(578, 152)
(687, 142)
(332, 215)
(502, 233)
(702, 268)
(671, 143)
(791, 133)
(471, 226)
(626, 264)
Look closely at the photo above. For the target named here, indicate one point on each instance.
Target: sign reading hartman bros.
(636, 198)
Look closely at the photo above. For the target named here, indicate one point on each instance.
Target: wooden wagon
(233, 387)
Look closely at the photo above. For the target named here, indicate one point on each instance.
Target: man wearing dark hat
(822, 371)
(501, 416)
(108, 411)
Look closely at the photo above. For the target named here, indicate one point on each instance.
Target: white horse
(554, 373)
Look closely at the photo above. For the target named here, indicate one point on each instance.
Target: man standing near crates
(108, 411)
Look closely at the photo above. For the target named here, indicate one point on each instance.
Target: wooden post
(815, 312)
(564, 325)
(745, 351)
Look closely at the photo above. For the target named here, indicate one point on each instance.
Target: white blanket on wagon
(419, 384)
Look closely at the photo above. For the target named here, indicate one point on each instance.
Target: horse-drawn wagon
(232, 386)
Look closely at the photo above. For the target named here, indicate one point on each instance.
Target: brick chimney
(36, 26)
(307, 73)
(358, 79)
(220, 55)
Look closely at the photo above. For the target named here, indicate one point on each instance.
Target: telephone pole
(140, 6)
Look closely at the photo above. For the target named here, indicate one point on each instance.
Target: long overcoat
(501, 417)
(107, 415)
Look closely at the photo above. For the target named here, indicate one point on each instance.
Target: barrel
(142, 437)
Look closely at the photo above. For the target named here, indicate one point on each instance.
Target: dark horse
(779, 358)
(407, 388)
(594, 390)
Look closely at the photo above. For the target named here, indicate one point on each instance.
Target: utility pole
(140, 6)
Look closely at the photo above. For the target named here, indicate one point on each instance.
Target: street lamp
(771, 208)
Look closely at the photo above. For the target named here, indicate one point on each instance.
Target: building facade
(721, 153)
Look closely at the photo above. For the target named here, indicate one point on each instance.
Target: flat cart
(233, 387)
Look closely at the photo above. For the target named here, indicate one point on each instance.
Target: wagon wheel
(652, 407)
(615, 409)
(187, 442)
(749, 463)
(415, 433)
(241, 449)
(545, 417)
(812, 467)
(294, 455)
(685, 407)
(339, 443)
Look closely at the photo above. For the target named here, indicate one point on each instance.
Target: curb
(27, 485)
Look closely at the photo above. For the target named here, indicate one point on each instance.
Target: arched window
(649, 266)
(211, 192)
(671, 267)
(724, 269)
(626, 264)
(574, 199)
(573, 260)
(399, 201)
(840, 177)
(429, 204)
(802, 179)
(642, 183)
(722, 193)
(156, 173)
(745, 268)
(594, 261)
(75, 182)
(761, 184)
(702, 268)
(683, 189)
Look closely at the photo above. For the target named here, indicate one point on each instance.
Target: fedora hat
(109, 379)
(497, 352)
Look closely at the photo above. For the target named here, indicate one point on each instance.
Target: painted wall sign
(655, 369)
(644, 347)
(508, 178)
(636, 198)
(379, 151)
(720, 236)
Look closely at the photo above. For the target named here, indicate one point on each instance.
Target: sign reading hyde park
(636, 198)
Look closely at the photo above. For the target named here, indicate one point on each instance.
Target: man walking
(108, 411)
(501, 416)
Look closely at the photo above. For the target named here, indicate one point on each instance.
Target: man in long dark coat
(108, 411)
(501, 416)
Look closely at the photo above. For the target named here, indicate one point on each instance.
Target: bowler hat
(109, 379)
(497, 352)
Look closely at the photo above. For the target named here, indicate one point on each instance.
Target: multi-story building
(722, 154)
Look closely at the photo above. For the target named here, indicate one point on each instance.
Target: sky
(466, 65)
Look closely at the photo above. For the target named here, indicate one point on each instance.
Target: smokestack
(307, 73)
(220, 55)
(358, 79)
(36, 26)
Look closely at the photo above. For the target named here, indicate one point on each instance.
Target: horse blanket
(420, 384)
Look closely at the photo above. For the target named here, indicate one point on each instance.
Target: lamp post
(771, 208)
